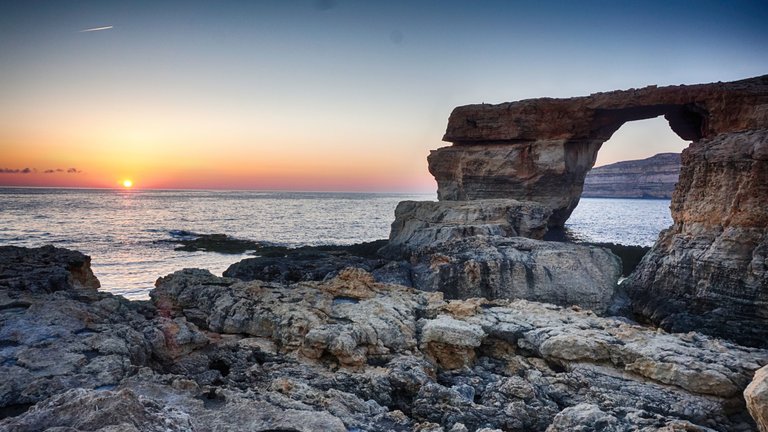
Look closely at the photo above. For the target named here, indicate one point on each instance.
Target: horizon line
(138, 189)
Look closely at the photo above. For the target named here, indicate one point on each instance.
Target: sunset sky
(326, 95)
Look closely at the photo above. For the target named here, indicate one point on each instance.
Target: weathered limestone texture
(709, 271)
(211, 353)
(541, 149)
(497, 267)
(419, 223)
(756, 396)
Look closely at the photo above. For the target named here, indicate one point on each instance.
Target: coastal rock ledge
(212, 353)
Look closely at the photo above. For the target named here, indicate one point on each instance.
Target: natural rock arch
(709, 271)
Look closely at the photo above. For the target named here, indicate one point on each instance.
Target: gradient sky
(326, 95)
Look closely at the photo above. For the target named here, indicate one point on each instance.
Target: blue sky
(333, 90)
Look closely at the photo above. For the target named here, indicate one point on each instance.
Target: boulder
(45, 269)
(420, 223)
(496, 267)
(756, 395)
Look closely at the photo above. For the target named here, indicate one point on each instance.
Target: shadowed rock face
(709, 271)
(541, 149)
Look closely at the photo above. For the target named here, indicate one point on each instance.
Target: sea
(127, 233)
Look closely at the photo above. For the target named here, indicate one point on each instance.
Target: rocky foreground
(211, 353)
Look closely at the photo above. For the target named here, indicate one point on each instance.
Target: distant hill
(654, 177)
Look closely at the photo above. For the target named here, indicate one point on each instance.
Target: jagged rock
(709, 271)
(420, 223)
(756, 395)
(518, 268)
(308, 263)
(319, 321)
(537, 353)
(653, 177)
(541, 149)
(88, 410)
(45, 269)
(57, 332)
(354, 354)
(587, 417)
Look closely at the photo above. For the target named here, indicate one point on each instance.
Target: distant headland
(653, 177)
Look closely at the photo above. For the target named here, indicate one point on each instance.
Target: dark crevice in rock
(219, 365)
(14, 410)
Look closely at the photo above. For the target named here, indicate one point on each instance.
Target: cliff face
(709, 271)
(654, 177)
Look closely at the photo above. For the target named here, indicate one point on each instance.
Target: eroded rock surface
(709, 271)
(756, 395)
(420, 223)
(497, 267)
(541, 149)
(214, 353)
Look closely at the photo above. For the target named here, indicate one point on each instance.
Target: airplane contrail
(95, 29)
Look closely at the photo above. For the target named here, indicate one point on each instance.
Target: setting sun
(127, 183)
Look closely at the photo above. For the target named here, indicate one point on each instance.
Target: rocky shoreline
(466, 319)
(349, 353)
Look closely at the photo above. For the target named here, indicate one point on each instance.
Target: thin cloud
(93, 29)
(34, 171)
(17, 170)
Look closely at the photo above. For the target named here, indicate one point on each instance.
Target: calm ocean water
(124, 231)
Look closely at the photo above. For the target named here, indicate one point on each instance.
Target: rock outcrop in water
(213, 353)
(654, 177)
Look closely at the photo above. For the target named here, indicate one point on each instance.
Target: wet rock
(309, 263)
(297, 266)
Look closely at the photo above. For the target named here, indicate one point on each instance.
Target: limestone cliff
(709, 271)
(654, 177)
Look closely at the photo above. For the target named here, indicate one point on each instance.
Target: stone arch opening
(626, 196)
(688, 121)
